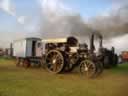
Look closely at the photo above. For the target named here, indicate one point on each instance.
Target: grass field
(38, 82)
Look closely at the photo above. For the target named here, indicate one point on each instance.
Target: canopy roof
(56, 40)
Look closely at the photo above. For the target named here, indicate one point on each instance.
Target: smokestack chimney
(92, 46)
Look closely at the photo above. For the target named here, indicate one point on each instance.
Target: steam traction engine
(63, 55)
(108, 57)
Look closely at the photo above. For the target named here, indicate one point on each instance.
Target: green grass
(38, 82)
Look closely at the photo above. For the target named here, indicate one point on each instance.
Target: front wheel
(88, 68)
(99, 68)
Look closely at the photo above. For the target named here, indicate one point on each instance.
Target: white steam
(114, 22)
(59, 20)
(119, 43)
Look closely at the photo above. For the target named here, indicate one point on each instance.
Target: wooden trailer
(27, 50)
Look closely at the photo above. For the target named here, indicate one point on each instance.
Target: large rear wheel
(55, 61)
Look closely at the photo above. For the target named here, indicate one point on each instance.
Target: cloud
(8, 7)
(54, 7)
(22, 19)
(25, 26)
(119, 1)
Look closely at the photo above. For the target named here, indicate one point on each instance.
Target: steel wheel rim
(54, 61)
(87, 68)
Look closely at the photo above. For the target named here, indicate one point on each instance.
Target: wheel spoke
(88, 68)
(55, 60)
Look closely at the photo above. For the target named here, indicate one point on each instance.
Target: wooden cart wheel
(26, 63)
(19, 62)
(88, 68)
(55, 61)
